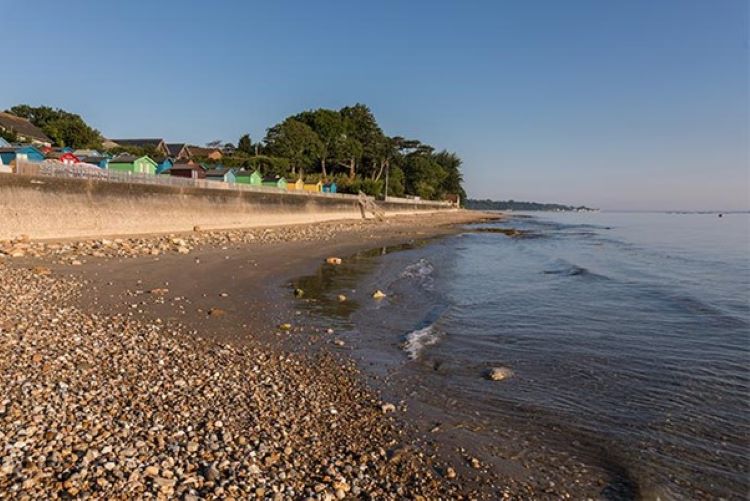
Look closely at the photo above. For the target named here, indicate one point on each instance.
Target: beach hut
(298, 185)
(275, 182)
(313, 187)
(246, 177)
(65, 157)
(99, 160)
(25, 153)
(4, 143)
(187, 170)
(131, 163)
(164, 166)
(329, 187)
(224, 174)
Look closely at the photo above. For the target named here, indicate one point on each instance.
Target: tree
(63, 127)
(453, 180)
(296, 141)
(245, 145)
(329, 126)
(360, 125)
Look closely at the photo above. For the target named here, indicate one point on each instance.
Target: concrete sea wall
(45, 207)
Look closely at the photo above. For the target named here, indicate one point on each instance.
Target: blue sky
(620, 105)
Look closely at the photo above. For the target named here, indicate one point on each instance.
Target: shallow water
(628, 335)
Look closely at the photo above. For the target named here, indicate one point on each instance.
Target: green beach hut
(131, 163)
(245, 177)
(275, 182)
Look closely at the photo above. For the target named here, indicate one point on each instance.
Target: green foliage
(9, 135)
(350, 144)
(64, 128)
(396, 181)
(296, 141)
(245, 145)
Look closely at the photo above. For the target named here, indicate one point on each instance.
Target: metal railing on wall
(54, 168)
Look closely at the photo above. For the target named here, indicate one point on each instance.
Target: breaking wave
(416, 341)
(421, 271)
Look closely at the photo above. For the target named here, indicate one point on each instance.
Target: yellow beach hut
(313, 186)
(299, 184)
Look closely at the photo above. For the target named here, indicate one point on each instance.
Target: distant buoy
(721, 215)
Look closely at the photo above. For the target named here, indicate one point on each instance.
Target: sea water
(627, 334)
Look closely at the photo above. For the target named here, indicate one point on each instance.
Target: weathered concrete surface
(56, 208)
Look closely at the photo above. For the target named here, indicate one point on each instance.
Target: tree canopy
(63, 127)
(350, 146)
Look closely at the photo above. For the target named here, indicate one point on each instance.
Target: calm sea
(628, 335)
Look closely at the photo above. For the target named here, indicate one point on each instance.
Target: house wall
(97, 208)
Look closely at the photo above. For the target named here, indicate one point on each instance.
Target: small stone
(378, 294)
(216, 312)
(159, 291)
(164, 483)
(192, 446)
(450, 473)
(333, 260)
(212, 473)
(339, 342)
(151, 471)
(388, 407)
(299, 293)
(285, 326)
(41, 270)
(341, 298)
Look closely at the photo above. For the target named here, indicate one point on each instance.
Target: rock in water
(378, 294)
(299, 293)
(341, 298)
(499, 373)
(333, 260)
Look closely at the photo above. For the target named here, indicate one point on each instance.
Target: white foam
(420, 269)
(418, 340)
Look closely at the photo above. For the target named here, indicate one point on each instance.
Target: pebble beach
(105, 404)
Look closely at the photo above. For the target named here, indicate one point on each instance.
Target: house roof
(183, 166)
(221, 172)
(60, 154)
(139, 143)
(93, 159)
(247, 173)
(22, 127)
(85, 152)
(174, 149)
(197, 151)
(124, 159)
